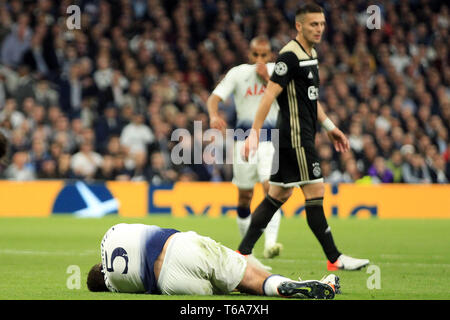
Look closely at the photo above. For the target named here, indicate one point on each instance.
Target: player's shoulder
(245, 67)
(235, 72)
(270, 67)
(293, 49)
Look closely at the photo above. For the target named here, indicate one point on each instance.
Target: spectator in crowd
(106, 171)
(45, 95)
(351, 172)
(355, 137)
(17, 41)
(439, 172)
(395, 165)
(160, 172)
(107, 125)
(86, 162)
(121, 172)
(137, 136)
(139, 170)
(48, 169)
(38, 154)
(64, 170)
(330, 175)
(20, 168)
(33, 57)
(379, 172)
(10, 112)
(415, 170)
(135, 97)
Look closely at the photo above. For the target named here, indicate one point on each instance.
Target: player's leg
(243, 210)
(275, 198)
(260, 282)
(245, 176)
(199, 265)
(316, 219)
(244, 217)
(272, 248)
(265, 153)
(186, 268)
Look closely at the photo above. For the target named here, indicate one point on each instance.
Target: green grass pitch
(412, 256)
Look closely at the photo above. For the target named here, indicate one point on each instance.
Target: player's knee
(245, 198)
(312, 191)
(281, 195)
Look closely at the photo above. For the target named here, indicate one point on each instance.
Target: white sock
(243, 224)
(271, 284)
(271, 232)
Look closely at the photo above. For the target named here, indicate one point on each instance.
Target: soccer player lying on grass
(138, 258)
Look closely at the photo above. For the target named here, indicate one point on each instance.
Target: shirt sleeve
(226, 87)
(270, 67)
(285, 68)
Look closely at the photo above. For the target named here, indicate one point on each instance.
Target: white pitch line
(49, 253)
(381, 264)
(414, 264)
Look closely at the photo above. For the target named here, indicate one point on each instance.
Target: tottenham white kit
(193, 264)
(129, 252)
(199, 265)
(248, 88)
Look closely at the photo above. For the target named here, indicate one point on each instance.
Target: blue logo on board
(85, 201)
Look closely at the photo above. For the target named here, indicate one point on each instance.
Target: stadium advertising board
(139, 199)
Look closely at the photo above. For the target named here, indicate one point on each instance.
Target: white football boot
(272, 251)
(347, 263)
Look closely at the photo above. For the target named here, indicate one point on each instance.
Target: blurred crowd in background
(101, 102)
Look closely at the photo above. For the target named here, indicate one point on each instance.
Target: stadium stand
(101, 102)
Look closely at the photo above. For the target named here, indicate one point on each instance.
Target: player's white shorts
(257, 169)
(198, 265)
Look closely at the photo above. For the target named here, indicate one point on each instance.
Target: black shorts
(293, 167)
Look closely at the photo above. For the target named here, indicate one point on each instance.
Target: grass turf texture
(412, 255)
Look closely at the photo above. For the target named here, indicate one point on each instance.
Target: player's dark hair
(309, 7)
(95, 281)
(260, 38)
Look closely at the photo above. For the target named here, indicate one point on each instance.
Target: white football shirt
(128, 253)
(247, 88)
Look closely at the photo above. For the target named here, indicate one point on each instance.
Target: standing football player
(247, 83)
(295, 85)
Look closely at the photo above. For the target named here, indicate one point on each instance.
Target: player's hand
(340, 141)
(218, 123)
(261, 71)
(250, 145)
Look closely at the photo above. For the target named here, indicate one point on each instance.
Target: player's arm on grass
(270, 94)
(340, 141)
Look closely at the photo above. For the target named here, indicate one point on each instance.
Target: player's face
(259, 53)
(312, 27)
